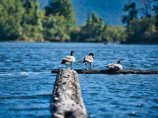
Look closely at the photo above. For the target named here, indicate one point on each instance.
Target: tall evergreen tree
(54, 28)
(62, 8)
(10, 19)
(146, 7)
(32, 14)
(132, 13)
(156, 16)
(94, 29)
(32, 21)
(88, 20)
(156, 20)
(155, 8)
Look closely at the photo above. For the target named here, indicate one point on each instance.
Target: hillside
(109, 10)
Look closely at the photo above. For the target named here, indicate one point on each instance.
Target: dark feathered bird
(88, 59)
(68, 59)
(115, 66)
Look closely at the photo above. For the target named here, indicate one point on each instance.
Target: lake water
(26, 82)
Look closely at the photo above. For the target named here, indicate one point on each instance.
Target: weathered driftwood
(67, 100)
(112, 71)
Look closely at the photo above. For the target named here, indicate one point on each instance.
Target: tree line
(21, 20)
(144, 29)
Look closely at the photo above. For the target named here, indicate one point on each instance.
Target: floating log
(66, 97)
(112, 71)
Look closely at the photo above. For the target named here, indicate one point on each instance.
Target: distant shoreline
(77, 42)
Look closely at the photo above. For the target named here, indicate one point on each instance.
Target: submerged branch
(111, 71)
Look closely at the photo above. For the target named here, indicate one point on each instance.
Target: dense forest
(22, 20)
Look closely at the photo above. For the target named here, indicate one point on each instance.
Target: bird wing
(88, 59)
(114, 66)
(68, 59)
(110, 65)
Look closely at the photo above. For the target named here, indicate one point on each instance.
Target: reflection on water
(26, 83)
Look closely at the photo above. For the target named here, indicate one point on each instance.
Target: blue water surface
(26, 82)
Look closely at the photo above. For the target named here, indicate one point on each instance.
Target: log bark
(67, 100)
(112, 71)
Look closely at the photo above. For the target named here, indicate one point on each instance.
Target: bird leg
(66, 66)
(71, 66)
(90, 66)
(86, 66)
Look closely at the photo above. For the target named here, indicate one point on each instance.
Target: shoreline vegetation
(79, 42)
(22, 21)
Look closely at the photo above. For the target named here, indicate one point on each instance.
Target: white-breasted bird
(88, 60)
(115, 66)
(68, 60)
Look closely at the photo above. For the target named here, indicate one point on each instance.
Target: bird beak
(93, 56)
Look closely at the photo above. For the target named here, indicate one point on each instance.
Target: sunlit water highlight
(26, 83)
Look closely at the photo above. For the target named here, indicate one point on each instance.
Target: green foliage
(155, 8)
(62, 8)
(93, 31)
(155, 37)
(10, 19)
(146, 7)
(96, 31)
(139, 31)
(31, 22)
(155, 32)
(116, 34)
(156, 21)
(132, 12)
(20, 20)
(55, 28)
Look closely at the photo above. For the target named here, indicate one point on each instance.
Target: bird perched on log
(88, 60)
(115, 66)
(68, 60)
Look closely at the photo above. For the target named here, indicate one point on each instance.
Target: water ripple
(26, 83)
